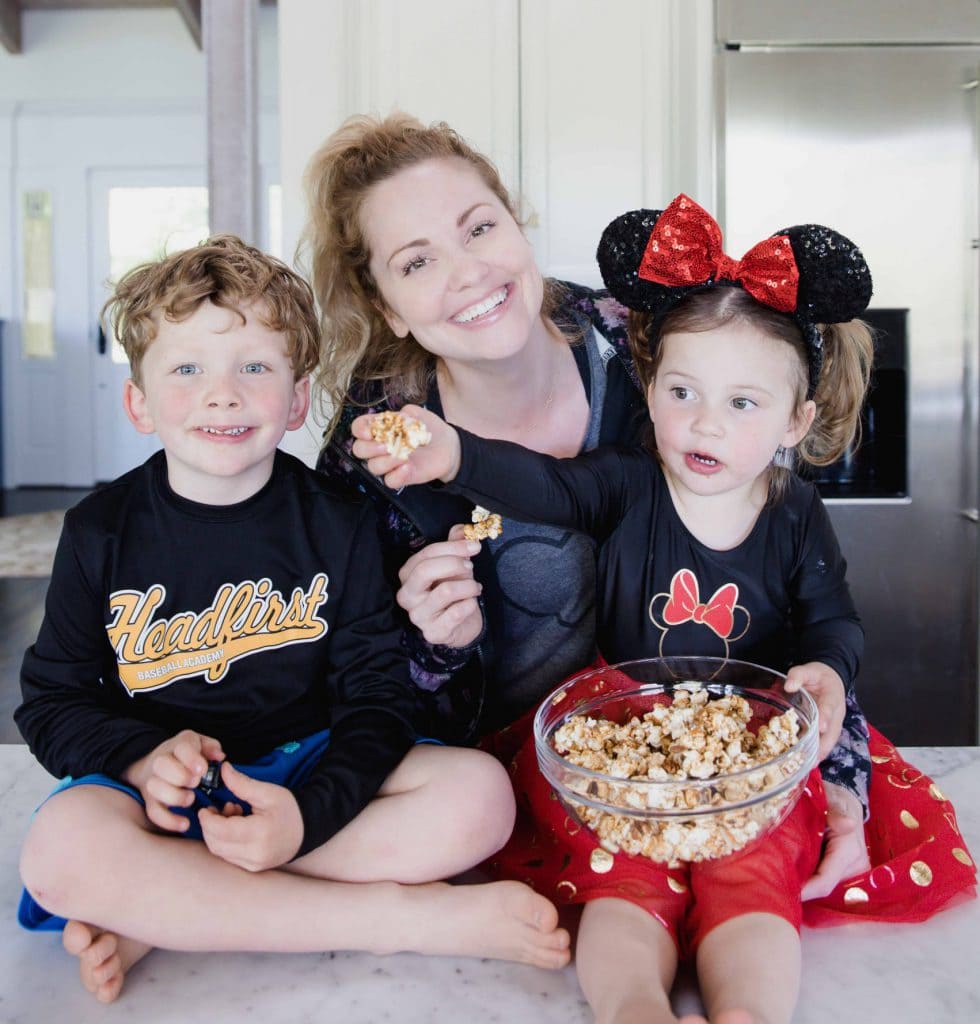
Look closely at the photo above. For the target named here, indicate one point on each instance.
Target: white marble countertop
(896, 973)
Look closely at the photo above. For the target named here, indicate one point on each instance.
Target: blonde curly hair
(227, 272)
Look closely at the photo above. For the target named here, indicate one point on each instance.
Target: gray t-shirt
(545, 611)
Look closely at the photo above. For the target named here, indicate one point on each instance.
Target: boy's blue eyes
(189, 369)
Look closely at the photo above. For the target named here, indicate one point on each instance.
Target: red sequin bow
(684, 604)
(685, 250)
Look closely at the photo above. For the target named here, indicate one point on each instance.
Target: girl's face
(722, 402)
(452, 265)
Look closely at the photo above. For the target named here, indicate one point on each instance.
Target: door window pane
(149, 223)
(38, 337)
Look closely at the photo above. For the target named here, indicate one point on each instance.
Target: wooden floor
(22, 602)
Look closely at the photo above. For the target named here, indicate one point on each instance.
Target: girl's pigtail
(848, 352)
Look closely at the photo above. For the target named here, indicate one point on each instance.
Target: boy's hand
(437, 460)
(167, 775)
(268, 837)
(439, 592)
(845, 853)
(826, 687)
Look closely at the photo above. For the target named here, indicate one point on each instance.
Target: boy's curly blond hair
(226, 272)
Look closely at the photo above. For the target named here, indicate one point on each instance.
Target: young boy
(219, 659)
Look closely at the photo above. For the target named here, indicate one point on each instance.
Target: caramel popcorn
(399, 434)
(692, 737)
(485, 524)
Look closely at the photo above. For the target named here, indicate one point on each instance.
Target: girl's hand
(439, 592)
(167, 775)
(845, 853)
(437, 460)
(266, 838)
(826, 687)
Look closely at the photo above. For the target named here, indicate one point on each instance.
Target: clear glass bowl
(688, 819)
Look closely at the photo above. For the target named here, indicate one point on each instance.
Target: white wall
(588, 107)
(91, 90)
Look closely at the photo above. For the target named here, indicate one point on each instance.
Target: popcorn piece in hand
(485, 525)
(399, 434)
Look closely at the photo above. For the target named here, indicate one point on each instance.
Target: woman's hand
(826, 687)
(439, 592)
(167, 775)
(437, 460)
(845, 852)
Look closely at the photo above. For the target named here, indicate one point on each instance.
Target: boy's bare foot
(501, 920)
(103, 958)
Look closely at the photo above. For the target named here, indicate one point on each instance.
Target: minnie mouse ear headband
(651, 259)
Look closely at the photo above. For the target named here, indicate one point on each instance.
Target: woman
(430, 294)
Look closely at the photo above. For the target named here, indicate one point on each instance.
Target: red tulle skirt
(920, 862)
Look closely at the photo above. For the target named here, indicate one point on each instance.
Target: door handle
(970, 514)
(100, 342)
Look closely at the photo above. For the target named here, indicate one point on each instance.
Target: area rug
(27, 543)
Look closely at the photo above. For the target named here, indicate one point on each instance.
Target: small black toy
(211, 778)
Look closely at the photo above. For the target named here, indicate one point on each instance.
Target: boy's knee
(69, 837)
(488, 798)
(42, 869)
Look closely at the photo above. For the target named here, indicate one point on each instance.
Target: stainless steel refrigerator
(870, 126)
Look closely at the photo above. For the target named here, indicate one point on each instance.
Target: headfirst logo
(244, 618)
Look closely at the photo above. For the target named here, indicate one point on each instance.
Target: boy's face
(220, 395)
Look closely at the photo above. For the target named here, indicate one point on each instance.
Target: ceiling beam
(10, 25)
(190, 11)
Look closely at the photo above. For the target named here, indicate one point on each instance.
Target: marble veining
(896, 973)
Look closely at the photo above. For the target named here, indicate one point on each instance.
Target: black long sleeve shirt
(777, 599)
(256, 623)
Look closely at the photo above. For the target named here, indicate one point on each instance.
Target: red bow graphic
(685, 250)
(684, 606)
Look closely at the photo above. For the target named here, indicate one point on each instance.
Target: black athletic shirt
(256, 623)
(777, 599)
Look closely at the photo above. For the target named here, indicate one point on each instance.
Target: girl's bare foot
(103, 958)
(501, 920)
(725, 1017)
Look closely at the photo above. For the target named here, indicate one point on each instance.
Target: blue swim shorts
(289, 765)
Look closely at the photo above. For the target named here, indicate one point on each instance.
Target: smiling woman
(430, 293)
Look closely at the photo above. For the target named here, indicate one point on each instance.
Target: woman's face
(452, 265)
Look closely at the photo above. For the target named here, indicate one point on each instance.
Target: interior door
(135, 216)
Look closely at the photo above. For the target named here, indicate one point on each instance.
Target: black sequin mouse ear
(619, 255)
(835, 282)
